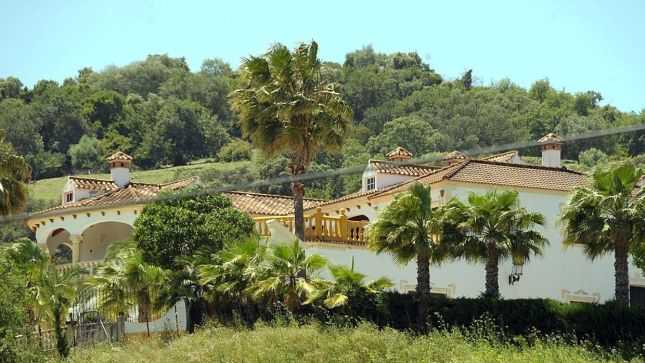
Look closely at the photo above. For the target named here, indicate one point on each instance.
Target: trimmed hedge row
(609, 324)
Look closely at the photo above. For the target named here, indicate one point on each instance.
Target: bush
(179, 226)
(611, 324)
(235, 151)
(592, 157)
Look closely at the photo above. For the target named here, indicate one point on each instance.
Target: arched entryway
(59, 246)
(97, 237)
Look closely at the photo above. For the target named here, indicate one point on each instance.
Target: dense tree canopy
(171, 228)
(163, 113)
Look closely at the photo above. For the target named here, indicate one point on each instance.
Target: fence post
(343, 224)
(120, 327)
(318, 222)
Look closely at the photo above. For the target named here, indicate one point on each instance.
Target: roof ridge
(272, 195)
(528, 166)
(87, 178)
(499, 154)
(436, 171)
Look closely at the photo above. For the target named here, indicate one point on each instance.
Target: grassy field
(316, 344)
(50, 189)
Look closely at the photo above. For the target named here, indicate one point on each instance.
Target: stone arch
(97, 237)
(56, 238)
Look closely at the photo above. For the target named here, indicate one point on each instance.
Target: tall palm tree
(408, 228)
(14, 176)
(493, 226)
(287, 106)
(280, 277)
(608, 217)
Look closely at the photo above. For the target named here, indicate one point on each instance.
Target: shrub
(235, 151)
(611, 324)
(592, 157)
(179, 226)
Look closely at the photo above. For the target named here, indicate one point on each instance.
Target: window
(371, 183)
(69, 197)
(637, 295)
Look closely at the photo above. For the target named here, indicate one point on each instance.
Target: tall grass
(365, 343)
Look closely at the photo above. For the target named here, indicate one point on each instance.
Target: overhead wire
(331, 173)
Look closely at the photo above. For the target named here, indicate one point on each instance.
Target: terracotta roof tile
(267, 204)
(93, 184)
(550, 138)
(499, 173)
(390, 167)
(399, 153)
(458, 155)
(120, 155)
(133, 193)
(504, 157)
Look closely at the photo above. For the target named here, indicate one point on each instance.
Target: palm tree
(126, 282)
(494, 227)
(608, 217)
(408, 228)
(280, 277)
(54, 293)
(231, 271)
(14, 176)
(31, 259)
(347, 284)
(287, 106)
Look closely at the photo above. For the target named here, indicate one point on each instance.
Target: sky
(578, 45)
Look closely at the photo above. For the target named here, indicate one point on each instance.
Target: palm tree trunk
(492, 274)
(62, 346)
(423, 290)
(298, 188)
(621, 271)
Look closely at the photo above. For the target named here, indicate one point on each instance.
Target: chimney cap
(399, 154)
(550, 138)
(120, 156)
(455, 155)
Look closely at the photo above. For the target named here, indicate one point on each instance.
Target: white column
(76, 240)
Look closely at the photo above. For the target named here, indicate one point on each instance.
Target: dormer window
(69, 197)
(371, 183)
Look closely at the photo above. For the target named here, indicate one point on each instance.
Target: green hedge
(610, 324)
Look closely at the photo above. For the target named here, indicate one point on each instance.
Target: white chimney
(120, 168)
(551, 146)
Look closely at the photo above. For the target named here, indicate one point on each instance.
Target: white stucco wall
(561, 274)
(168, 322)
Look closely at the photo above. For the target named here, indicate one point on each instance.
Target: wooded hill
(165, 114)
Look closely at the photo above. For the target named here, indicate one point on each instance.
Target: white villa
(334, 228)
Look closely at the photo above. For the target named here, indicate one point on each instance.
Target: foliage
(235, 151)
(14, 176)
(348, 293)
(365, 343)
(492, 227)
(173, 227)
(408, 229)
(283, 275)
(87, 155)
(411, 133)
(610, 325)
(287, 106)
(607, 217)
(592, 157)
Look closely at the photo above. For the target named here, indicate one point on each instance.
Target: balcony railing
(88, 266)
(320, 227)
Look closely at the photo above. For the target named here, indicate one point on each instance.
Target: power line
(333, 173)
